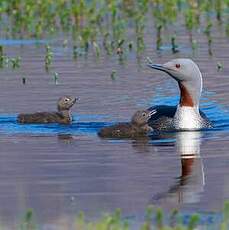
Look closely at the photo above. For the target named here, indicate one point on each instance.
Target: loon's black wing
(163, 118)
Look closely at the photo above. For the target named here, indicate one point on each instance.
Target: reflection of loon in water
(191, 183)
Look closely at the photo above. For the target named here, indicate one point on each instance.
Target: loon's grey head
(187, 74)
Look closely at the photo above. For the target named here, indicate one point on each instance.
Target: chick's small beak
(151, 113)
(74, 101)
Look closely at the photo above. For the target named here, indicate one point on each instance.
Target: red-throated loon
(186, 115)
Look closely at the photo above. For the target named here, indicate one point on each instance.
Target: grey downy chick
(136, 128)
(62, 116)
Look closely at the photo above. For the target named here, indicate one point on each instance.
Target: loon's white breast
(187, 118)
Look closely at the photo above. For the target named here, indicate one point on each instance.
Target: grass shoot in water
(48, 57)
(174, 45)
(113, 75)
(56, 77)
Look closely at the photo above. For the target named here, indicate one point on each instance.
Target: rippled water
(60, 170)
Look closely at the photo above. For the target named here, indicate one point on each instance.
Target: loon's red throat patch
(185, 97)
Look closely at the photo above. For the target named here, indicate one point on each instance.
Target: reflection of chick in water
(191, 181)
(66, 138)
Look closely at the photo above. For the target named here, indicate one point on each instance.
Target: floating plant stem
(65, 43)
(15, 62)
(173, 218)
(193, 221)
(149, 60)
(107, 44)
(119, 46)
(96, 48)
(174, 45)
(219, 66)
(75, 52)
(23, 80)
(48, 57)
(159, 40)
(159, 218)
(130, 45)
(56, 77)
(148, 219)
(218, 9)
(207, 31)
(194, 44)
(113, 75)
(28, 222)
(1, 57)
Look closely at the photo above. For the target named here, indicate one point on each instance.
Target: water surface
(60, 170)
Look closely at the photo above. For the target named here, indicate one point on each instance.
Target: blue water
(9, 125)
(91, 124)
(18, 42)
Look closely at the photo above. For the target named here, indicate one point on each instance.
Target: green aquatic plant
(149, 60)
(113, 75)
(56, 77)
(174, 44)
(15, 62)
(48, 57)
(130, 45)
(108, 21)
(155, 219)
(1, 57)
(218, 9)
(23, 80)
(193, 222)
(207, 31)
(65, 43)
(159, 218)
(159, 39)
(96, 49)
(194, 44)
(28, 222)
(174, 217)
(219, 66)
(75, 52)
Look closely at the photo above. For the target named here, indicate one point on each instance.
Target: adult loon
(186, 115)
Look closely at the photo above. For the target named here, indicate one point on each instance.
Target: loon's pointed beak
(169, 71)
(158, 67)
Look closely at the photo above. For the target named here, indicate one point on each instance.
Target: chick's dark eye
(144, 114)
(177, 66)
(66, 99)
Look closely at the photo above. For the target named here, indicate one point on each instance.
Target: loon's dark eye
(177, 66)
(66, 99)
(143, 114)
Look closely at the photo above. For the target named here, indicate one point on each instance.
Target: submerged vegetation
(113, 26)
(155, 219)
